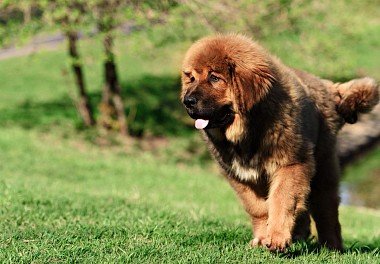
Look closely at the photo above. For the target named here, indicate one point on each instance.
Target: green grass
(69, 201)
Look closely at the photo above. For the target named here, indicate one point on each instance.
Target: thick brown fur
(273, 131)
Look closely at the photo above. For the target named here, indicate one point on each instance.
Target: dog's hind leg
(324, 200)
(301, 229)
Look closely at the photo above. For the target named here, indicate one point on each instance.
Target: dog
(273, 130)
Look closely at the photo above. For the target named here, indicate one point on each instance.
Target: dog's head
(222, 78)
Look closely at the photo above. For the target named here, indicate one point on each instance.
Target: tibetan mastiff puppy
(273, 130)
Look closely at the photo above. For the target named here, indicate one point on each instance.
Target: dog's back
(340, 103)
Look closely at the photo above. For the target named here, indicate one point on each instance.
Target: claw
(256, 242)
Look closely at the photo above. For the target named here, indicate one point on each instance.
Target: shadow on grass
(217, 232)
(31, 114)
(239, 235)
(152, 107)
(302, 248)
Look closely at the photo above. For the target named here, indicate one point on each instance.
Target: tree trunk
(111, 97)
(83, 104)
(27, 11)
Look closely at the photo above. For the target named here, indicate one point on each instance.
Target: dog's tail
(354, 97)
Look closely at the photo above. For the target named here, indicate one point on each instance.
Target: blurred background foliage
(320, 32)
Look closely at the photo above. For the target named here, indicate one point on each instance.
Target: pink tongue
(200, 123)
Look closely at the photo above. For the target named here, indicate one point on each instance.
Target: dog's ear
(250, 83)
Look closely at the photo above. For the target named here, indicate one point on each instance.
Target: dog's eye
(213, 78)
(192, 79)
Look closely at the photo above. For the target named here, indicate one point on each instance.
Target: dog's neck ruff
(236, 131)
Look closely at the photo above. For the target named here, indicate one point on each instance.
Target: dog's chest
(244, 171)
(245, 162)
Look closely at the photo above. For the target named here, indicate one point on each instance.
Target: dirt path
(51, 42)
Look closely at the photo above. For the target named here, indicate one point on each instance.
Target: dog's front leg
(255, 206)
(288, 192)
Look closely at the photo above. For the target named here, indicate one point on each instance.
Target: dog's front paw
(277, 241)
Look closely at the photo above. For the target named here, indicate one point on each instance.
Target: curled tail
(354, 97)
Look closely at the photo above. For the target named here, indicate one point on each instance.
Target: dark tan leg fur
(287, 198)
(256, 207)
(324, 201)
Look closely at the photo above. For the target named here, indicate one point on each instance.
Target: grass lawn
(69, 195)
(69, 201)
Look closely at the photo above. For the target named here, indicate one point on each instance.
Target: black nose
(190, 101)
